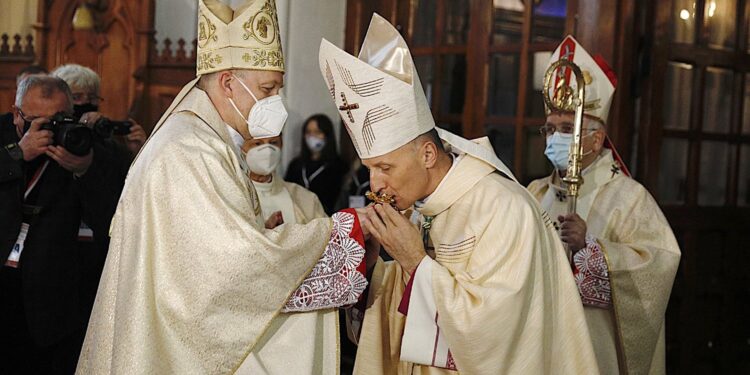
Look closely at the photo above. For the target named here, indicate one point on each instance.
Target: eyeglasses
(23, 116)
(547, 130)
(87, 98)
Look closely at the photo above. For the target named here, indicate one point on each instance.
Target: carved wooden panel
(111, 49)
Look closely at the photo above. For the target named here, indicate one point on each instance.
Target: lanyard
(15, 253)
(35, 179)
(308, 180)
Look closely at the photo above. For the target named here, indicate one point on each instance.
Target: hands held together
(393, 230)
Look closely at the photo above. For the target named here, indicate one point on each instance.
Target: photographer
(84, 84)
(50, 181)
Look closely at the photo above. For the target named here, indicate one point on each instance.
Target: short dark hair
(49, 86)
(432, 136)
(326, 126)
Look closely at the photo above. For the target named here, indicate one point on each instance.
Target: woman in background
(319, 168)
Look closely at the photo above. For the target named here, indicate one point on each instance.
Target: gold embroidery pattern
(206, 31)
(206, 61)
(262, 58)
(263, 26)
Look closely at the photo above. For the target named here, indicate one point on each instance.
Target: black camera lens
(76, 139)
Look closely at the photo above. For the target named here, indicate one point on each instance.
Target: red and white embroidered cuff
(591, 275)
(338, 279)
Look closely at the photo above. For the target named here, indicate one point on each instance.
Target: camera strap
(34, 180)
(15, 254)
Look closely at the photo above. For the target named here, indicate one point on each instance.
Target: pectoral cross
(348, 107)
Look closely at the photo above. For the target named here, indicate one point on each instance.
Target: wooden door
(115, 49)
(694, 154)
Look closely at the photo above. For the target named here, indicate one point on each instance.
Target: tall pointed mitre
(379, 96)
(247, 38)
(600, 79)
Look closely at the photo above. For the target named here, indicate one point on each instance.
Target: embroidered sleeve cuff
(592, 276)
(338, 279)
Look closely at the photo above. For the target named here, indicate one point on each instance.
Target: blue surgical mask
(558, 149)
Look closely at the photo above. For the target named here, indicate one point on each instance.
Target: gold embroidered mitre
(247, 38)
(379, 96)
(599, 78)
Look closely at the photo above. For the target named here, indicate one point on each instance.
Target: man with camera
(84, 84)
(52, 177)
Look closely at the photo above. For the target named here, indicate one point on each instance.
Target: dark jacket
(326, 184)
(50, 264)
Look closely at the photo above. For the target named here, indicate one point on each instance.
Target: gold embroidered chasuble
(506, 303)
(193, 283)
(641, 256)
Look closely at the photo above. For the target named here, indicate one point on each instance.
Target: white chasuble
(504, 301)
(193, 283)
(297, 204)
(625, 272)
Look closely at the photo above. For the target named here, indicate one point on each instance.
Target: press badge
(15, 254)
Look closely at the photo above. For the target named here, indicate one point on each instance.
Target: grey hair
(206, 81)
(78, 76)
(49, 86)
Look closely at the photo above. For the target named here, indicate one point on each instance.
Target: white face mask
(558, 149)
(267, 117)
(264, 159)
(315, 144)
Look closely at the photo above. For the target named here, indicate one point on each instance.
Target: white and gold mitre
(247, 38)
(600, 79)
(378, 95)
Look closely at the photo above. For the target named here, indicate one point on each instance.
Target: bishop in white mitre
(624, 253)
(482, 286)
(193, 283)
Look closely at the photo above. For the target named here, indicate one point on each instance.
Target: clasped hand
(398, 236)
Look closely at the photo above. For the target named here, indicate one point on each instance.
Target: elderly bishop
(624, 253)
(482, 286)
(194, 283)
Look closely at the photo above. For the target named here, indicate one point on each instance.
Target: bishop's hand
(274, 220)
(573, 231)
(399, 237)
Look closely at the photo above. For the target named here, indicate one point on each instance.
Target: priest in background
(484, 287)
(280, 201)
(193, 282)
(624, 253)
